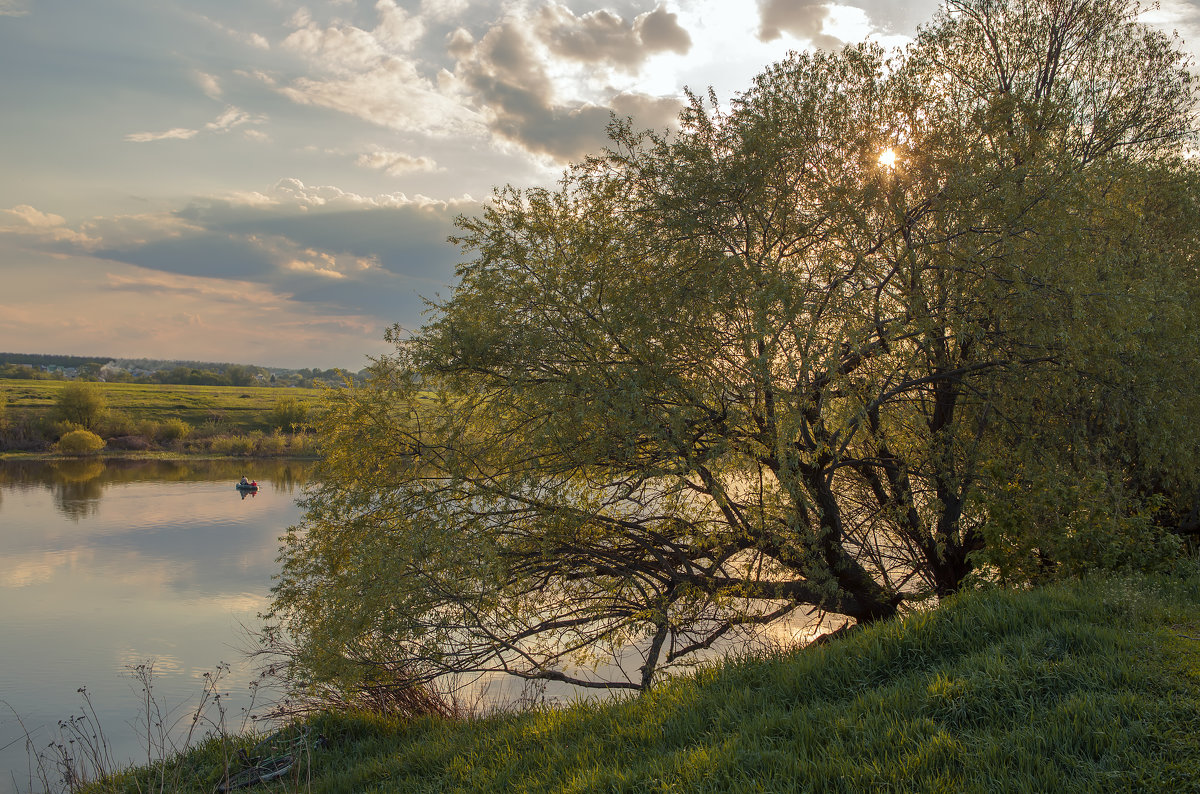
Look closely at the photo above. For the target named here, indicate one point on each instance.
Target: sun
(887, 158)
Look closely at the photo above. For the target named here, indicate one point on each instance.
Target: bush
(235, 444)
(174, 429)
(81, 403)
(289, 414)
(274, 444)
(80, 442)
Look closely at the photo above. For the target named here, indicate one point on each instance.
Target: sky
(273, 182)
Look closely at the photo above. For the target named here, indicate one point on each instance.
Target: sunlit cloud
(209, 84)
(48, 227)
(230, 292)
(178, 134)
(395, 163)
(31, 216)
(233, 117)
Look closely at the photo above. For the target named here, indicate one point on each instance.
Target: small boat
(247, 486)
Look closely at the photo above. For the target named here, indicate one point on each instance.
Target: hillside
(1078, 687)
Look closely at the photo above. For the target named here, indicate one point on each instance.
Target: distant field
(230, 408)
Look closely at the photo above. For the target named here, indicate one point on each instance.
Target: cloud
(178, 133)
(349, 48)
(44, 227)
(507, 76)
(391, 94)
(371, 75)
(232, 117)
(803, 20)
(13, 8)
(395, 163)
(208, 84)
(604, 37)
(32, 216)
(442, 10)
(370, 257)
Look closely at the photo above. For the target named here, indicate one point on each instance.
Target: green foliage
(80, 442)
(81, 403)
(22, 371)
(173, 429)
(236, 444)
(289, 414)
(740, 369)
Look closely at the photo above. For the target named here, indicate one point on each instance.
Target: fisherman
(244, 481)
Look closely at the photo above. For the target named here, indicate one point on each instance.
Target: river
(108, 565)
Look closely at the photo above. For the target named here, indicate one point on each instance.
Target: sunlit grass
(1075, 687)
(235, 408)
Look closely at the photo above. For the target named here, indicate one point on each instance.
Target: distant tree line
(196, 373)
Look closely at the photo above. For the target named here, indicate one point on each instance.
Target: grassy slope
(233, 408)
(1076, 687)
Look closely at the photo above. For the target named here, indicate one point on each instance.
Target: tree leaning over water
(745, 370)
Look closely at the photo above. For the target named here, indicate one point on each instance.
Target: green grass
(1079, 687)
(230, 408)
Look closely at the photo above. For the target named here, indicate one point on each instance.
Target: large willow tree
(748, 369)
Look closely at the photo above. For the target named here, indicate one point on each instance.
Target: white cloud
(391, 94)
(45, 227)
(318, 263)
(32, 216)
(442, 10)
(232, 117)
(178, 133)
(13, 8)
(395, 163)
(208, 84)
(371, 75)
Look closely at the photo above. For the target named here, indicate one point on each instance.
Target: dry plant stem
(42, 776)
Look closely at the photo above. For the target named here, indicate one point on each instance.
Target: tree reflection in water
(79, 484)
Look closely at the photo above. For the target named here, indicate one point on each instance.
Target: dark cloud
(207, 254)
(660, 32)
(409, 240)
(379, 260)
(604, 37)
(802, 20)
(511, 83)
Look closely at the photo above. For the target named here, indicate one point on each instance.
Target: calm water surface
(108, 565)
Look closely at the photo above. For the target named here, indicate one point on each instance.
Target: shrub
(289, 414)
(274, 444)
(119, 424)
(81, 403)
(174, 429)
(80, 442)
(235, 445)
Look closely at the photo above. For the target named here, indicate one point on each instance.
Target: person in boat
(244, 481)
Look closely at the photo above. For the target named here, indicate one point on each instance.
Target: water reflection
(108, 564)
(78, 486)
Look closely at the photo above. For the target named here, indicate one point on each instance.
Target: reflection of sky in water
(106, 567)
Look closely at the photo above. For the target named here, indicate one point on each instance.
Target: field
(229, 409)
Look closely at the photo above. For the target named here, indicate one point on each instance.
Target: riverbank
(157, 419)
(1091, 686)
